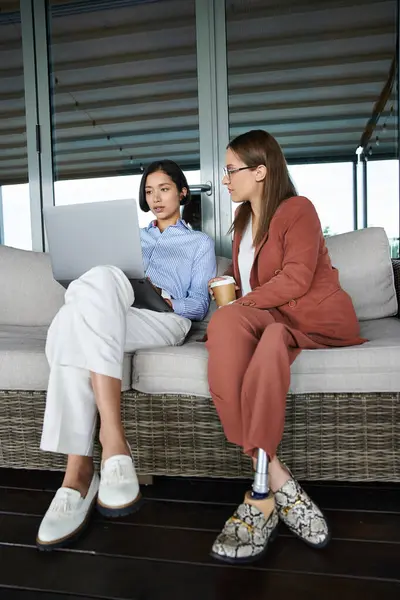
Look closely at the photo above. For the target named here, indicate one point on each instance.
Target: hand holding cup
(223, 289)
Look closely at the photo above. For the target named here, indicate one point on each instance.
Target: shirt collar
(179, 223)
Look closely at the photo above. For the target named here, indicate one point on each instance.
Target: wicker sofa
(343, 411)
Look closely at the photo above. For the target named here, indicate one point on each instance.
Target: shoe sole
(120, 511)
(72, 537)
(248, 559)
(320, 546)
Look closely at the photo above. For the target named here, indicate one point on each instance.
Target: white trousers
(91, 332)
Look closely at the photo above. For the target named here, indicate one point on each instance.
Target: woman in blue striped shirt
(85, 348)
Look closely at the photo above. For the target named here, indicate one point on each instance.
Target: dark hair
(255, 148)
(170, 168)
(191, 214)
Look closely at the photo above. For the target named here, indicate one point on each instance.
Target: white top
(246, 257)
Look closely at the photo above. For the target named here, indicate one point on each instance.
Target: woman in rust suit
(289, 298)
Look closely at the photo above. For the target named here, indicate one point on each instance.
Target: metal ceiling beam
(129, 154)
(293, 105)
(234, 90)
(112, 60)
(255, 69)
(328, 152)
(258, 69)
(303, 65)
(90, 156)
(318, 124)
(289, 7)
(126, 122)
(312, 139)
(62, 8)
(319, 36)
(122, 82)
(163, 129)
(281, 127)
(124, 163)
(238, 114)
(248, 114)
(150, 26)
(125, 29)
(266, 87)
(236, 46)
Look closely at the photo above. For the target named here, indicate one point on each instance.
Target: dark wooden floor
(162, 552)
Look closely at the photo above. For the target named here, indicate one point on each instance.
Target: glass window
(125, 94)
(17, 216)
(383, 199)
(100, 189)
(125, 86)
(311, 73)
(330, 188)
(14, 194)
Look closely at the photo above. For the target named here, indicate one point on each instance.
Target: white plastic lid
(227, 279)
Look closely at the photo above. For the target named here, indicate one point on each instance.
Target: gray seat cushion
(29, 295)
(365, 271)
(23, 364)
(372, 367)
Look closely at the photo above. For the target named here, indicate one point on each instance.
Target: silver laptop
(82, 236)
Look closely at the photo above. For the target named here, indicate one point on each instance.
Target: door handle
(202, 188)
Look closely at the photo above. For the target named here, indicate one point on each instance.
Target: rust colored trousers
(250, 354)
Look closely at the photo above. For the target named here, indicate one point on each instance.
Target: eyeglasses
(228, 172)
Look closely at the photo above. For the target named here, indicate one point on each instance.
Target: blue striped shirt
(180, 261)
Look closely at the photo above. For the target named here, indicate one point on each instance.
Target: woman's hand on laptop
(158, 290)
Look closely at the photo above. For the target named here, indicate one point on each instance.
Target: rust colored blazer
(293, 277)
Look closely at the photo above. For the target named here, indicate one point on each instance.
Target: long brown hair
(255, 148)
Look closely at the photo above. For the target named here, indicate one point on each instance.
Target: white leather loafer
(119, 492)
(66, 516)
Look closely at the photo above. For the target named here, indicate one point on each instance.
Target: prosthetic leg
(260, 484)
(261, 496)
(247, 534)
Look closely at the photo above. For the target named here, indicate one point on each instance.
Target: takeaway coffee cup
(224, 290)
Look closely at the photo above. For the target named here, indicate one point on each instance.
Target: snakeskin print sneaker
(246, 535)
(302, 516)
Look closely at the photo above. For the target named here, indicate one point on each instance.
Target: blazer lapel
(237, 238)
(253, 274)
(258, 249)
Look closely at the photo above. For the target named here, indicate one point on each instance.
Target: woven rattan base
(342, 437)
